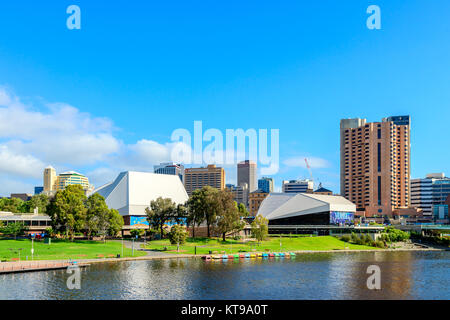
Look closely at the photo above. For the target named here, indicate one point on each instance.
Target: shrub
(345, 238)
(177, 234)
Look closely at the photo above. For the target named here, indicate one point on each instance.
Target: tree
(97, 215)
(136, 233)
(115, 222)
(15, 229)
(227, 213)
(14, 205)
(196, 207)
(177, 235)
(260, 228)
(39, 201)
(67, 210)
(242, 210)
(212, 207)
(160, 211)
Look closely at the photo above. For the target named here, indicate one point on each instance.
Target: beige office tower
(247, 173)
(49, 179)
(375, 164)
(196, 178)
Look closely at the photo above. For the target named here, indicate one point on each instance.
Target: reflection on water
(404, 275)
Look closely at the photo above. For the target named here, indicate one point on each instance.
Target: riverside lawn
(293, 243)
(64, 250)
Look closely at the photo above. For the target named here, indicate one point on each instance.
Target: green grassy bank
(204, 245)
(60, 250)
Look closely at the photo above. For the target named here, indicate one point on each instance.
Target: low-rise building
(255, 199)
(297, 186)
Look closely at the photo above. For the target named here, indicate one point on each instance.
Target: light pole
(132, 248)
(122, 247)
(32, 249)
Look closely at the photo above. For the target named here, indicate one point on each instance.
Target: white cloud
(313, 162)
(18, 164)
(62, 134)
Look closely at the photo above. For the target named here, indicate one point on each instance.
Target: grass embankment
(204, 245)
(62, 250)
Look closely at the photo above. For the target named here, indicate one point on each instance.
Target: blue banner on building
(339, 217)
(138, 220)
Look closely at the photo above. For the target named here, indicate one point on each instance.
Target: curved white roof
(284, 205)
(132, 191)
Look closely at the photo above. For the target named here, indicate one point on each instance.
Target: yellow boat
(252, 255)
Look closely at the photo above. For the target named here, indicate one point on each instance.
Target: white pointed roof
(285, 205)
(131, 192)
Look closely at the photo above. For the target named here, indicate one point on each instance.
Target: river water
(404, 275)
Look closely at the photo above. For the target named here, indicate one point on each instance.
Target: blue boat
(224, 257)
(265, 255)
(282, 254)
(247, 255)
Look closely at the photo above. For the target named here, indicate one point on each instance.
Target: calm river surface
(404, 275)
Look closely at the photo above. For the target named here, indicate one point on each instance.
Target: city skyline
(52, 89)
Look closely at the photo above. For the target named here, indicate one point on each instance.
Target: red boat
(271, 255)
(241, 256)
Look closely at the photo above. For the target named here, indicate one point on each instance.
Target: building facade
(429, 193)
(54, 183)
(255, 199)
(247, 173)
(240, 193)
(375, 164)
(49, 179)
(71, 177)
(197, 178)
(297, 186)
(170, 168)
(266, 184)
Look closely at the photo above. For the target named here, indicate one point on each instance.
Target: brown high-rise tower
(375, 164)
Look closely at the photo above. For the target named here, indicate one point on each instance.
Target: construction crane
(309, 168)
(310, 172)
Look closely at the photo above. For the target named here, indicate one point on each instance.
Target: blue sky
(107, 98)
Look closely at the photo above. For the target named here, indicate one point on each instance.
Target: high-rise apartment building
(170, 168)
(430, 192)
(247, 173)
(240, 193)
(49, 179)
(196, 178)
(297, 186)
(71, 177)
(266, 184)
(375, 164)
(53, 183)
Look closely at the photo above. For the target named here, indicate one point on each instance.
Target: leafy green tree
(177, 235)
(137, 233)
(39, 201)
(160, 212)
(115, 222)
(259, 228)
(212, 207)
(227, 213)
(97, 215)
(196, 209)
(14, 229)
(14, 205)
(67, 210)
(242, 210)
